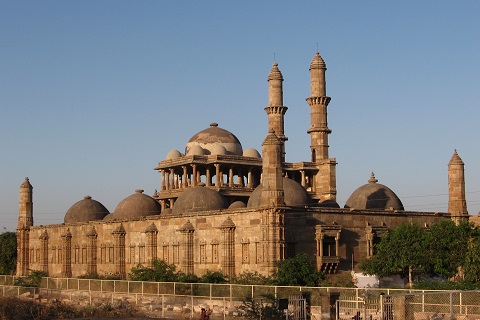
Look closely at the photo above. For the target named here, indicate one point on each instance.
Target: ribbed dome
(137, 205)
(209, 138)
(275, 73)
(85, 210)
(199, 198)
(173, 154)
(294, 193)
(251, 152)
(374, 195)
(317, 62)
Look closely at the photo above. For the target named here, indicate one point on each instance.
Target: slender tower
(325, 185)
(276, 110)
(25, 206)
(25, 221)
(457, 203)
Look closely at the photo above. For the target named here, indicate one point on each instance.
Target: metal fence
(353, 303)
(421, 305)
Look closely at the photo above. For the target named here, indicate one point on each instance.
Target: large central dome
(212, 139)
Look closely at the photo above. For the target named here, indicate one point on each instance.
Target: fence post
(163, 306)
(191, 294)
(451, 305)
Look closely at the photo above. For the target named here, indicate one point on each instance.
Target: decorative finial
(372, 178)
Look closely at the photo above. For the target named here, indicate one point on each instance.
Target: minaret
(272, 178)
(276, 110)
(25, 206)
(25, 221)
(457, 203)
(325, 186)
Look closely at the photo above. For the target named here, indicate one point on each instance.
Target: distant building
(222, 208)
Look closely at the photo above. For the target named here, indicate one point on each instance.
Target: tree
(160, 272)
(8, 252)
(447, 247)
(471, 265)
(297, 271)
(401, 251)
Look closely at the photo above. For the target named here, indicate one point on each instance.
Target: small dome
(197, 199)
(210, 137)
(195, 151)
(294, 193)
(173, 154)
(218, 150)
(137, 205)
(237, 205)
(374, 195)
(85, 210)
(252, 153)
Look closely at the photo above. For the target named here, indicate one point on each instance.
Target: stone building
(223, 208)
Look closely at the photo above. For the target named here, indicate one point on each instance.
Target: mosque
(222, 208)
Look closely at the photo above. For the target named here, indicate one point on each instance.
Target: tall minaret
(272, 177)
(457, 203)
(325, 186)
(25, 221)
(25, 206)
(276, 110)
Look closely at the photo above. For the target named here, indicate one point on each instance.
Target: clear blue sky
(94, 93)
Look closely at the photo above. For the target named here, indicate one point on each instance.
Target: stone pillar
(194, 175)
(151, 233)
(162, 173)
(185, 177)
(23, 248)
(457, 202)
(119, 251)
(249, 179)
(92, 251)
(208, 177)
(67, 254)
(230, 177)
(187, 231)
(218, 178)
(44, 251)
(228, 254)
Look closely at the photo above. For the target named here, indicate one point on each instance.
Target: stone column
(208, 177)
(23, 248)
(92, 251)
(194, 174)
(44, 251)
(151, 233)
(230, 177)
(67, 254)
(119, 251)
(187, 231)
(249, 178)
(162, 173)
(228, 254)
(217, 176)
(185, 177)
